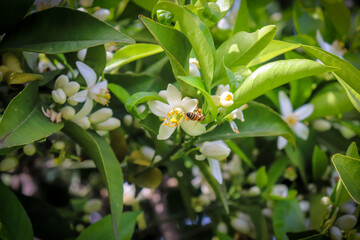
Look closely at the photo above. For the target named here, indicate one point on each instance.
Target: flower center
(103, 96)
(291, 119)
(174, 117)
(229, 97)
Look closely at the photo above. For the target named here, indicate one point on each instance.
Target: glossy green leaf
(253, 126)
(339, 15)
(260, 223)
(276, 170)
(12, 12)
(22, 116)
(273, 75)
(147, 5)
(307, 21)
(197, 83)
(347, 72)
(261, 177)
(317, 211)
(103, 228)
(13, 218)
(177, 48)
(66, 30)
(319, 163)
(219, 190)
(330, 103)
(119, 92)
(106, 162)
(199, 36)
(131, 53)
(96, 59)
(242, 48)
(274, 49)
(242, 22)
(13, 78)
(138, 98)
(300, 91)
(287, 217)
(352, 94)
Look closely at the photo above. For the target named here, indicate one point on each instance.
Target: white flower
(82, 54)
(336, 48)
(102, 14)
(52, 115)
(174, 113)
(293, 118)
(214, 151)
(194, 67)
(95, 91)
(223, 97)
(236, 114)
(280, 190)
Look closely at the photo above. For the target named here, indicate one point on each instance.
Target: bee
(195, 116)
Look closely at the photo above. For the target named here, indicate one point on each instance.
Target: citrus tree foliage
(179, 119)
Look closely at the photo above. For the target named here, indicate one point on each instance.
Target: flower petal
(163, 94)
(301, 130)
(85, 110)
(80, 96)
(304, 111)
(215, 169)
(324, 45)
(158, 108)
(285, 104)
(96, 89)
(165, 132)
(215, 149)
(173, 96)
(281, 142)
(87, 72)
(189, 105)
(193, 128)
(222, 88)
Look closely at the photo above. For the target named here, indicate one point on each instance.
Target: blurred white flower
(223, 97)
(194, 67)
(280, 190)
(293, 118)
(174, 113)
(102, 14)
(336, 48)
(129, 194)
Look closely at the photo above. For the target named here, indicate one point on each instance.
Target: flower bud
(254, 191)
(83, 122)
(102, 14)
(61, 81)
(109, 56)
(321, 125)
(86, 3)
(194, 68)
(348, 207)
(335, 233)
(222, 227)
(59, 145)
(251, 178)
(82, 54)
(67, 112)
(58, 96)
(240, 225)
(8, 163)
(267, 212)
(93, 205)
(325, 201)
(280, 190)
(346, 222)
(304, 205)
(108, 125)
(12, 62)
(226, 99)
(71, 88)
(128, 119)
(29, 149)
(71, 100)
(100, 115)
(216, 149)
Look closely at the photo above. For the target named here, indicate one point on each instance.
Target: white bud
(280, 190)
(29, 149)
(348, 207)
(226, 99)
(61, 81)
(321, 125)
(240, 225)
(82, 54)
(325, 201)
(8, 163)
(108, 125)
(59, 145)
(86, 3)
(128, 119)
(100, 115)
(141, 108)
(71, 100)
(254, 191)
(93, 205)
(58, 96)
(346, 222)
(193, 68)
(102, 14)
(251, 178)
(83, 122)
(109, 56)
(71, 88)
(67, 112)
(216, 149)
(222, 227)
(335, 233)
(304, 205)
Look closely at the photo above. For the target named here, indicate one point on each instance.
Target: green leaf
(242, 22)
(66, 30)
(261, 177)
(319, 163)
(352, 94)
(287, 217)
(219, 190)
(96, 59)
(197, 83)
(259, 221)
(177, 48)
(300, 91)
(131, 53)
(13, 218)
(339, 15)
(199, 36)
(22, 116)
(119, 92)
(12, 12)
(298, 159)
(274, 49)
(138, 98)
(223, 236)
(317, 211)
(275, 172)
(273, 75)
(307, 22)
(105, 160)
(347, 72)
(254, 126)
(147, 5)
(241, 48)
(102, 229)
(349, 170)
